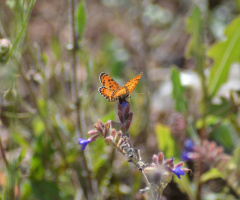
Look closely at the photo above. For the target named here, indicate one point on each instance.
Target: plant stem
(3, 155)
(74, 87)
(74, 84)
(22, 28)
(148, 185)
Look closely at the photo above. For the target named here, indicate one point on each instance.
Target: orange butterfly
(112, 91)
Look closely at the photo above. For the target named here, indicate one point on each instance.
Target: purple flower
(124, 104)
(186, 155)
(188, 144)
(178, 171)
(83, 142)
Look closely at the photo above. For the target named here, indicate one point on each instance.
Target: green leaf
(225, 135)
(9, 190)
(224, 53)
(195, 48)
(45, 190)
(80, 18)
(221, 109)
(178, 92)
(43, 107)
(194, 27)
(56, 47)
(211, 174)
(237, 2)
(236, 156)
(165, 140)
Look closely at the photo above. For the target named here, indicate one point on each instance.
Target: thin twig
(74, 88)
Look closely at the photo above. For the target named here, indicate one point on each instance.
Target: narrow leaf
(224, 53)
(195, 46)
(178, 91)
(80, 18)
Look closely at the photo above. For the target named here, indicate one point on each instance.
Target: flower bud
(92, 132)
(5, 47)
(126, 111)
(98, 127)
(106, 128)
(120, 115)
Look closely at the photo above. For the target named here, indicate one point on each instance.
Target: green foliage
(41, 120)
(164, 140)
(222, 109)
(224, 54)
(80, 18)
(9, 192)
(45, 190)
(23, 23)
(211, 174)
(225, 135)
(178, 92)
(195, 46)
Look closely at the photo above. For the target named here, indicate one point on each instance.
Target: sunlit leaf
(211, 174)
(221, 109)
(164, 140)
(178, 92)
(224, 53)
(56, 47)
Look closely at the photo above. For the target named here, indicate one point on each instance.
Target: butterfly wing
(131, 84)
(108, 82)
(106, 92)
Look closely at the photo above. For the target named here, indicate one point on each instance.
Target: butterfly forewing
(108, 82)
(131, 84)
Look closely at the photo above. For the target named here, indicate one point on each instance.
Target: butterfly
(113, 92)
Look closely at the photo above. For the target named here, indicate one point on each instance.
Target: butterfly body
(113, 92)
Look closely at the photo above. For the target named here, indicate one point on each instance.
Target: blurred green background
(51, 55)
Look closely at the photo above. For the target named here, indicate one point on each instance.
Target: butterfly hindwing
(131, 84)
(106, 92)
(108, 82)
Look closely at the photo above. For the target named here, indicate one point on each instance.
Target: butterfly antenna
(143, 93)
